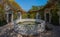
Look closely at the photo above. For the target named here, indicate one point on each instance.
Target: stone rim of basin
(25, 30)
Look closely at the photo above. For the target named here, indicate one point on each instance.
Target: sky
(27, 4)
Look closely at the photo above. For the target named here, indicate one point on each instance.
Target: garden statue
(19, 15)
(38, 15)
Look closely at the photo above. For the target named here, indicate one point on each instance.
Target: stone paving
(8, 31)
(56, 31)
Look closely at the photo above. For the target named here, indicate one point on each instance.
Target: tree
(32, 12)
(36, 7)
(2, 16)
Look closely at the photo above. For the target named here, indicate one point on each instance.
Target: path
(56, 31)
(5, 28)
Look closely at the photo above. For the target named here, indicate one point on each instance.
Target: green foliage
(24, 16)
(35, 8)
(20, 23)
(2, 17)
(55, 17)
(3, 22)
(33, 14)
(28, 15)
(42, 15)
(15, 16)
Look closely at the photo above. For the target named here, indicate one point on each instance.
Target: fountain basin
(29, 27)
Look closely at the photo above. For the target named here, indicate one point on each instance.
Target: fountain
(29, 27)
